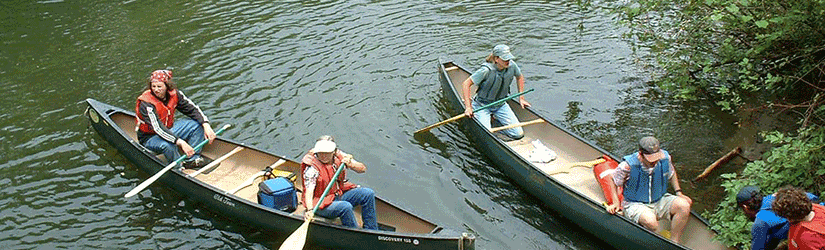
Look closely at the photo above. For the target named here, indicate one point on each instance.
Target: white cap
(324, 146)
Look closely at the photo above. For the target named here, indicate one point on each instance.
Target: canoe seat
(300, 213)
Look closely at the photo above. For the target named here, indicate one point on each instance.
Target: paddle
(493, 130)
(566, 168)
(476, 110)
(259, 174)
(155, 177)
(297, 239)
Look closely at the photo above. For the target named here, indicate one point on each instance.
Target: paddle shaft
(566, 168)
(476, 110)
(155, 177)
(326, 191)
(516, 125)
(297, 239)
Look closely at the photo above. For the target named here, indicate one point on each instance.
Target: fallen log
(727, 157)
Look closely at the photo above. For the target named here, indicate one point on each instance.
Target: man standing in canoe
(644, 176)
(157, 129)
(319, 166)
(494, 79)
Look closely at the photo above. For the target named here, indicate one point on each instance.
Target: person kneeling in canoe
(319, 166)
(157, 129)
(644, 176)
(494, 79)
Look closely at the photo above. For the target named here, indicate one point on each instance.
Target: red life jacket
(166, 112)
(325, 173)
(604, 174)
(817, 225)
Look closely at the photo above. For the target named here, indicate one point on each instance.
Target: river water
(286, 72)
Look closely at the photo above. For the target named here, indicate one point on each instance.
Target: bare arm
(614, 190)
(674, 181)
(521, 99)
(309, 193)
(356, 166)
(468, 103)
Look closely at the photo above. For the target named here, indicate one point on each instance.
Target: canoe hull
(278, 223)
(571, 204)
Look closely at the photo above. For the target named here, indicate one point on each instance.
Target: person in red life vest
(807, 230)
(319, 166)
(157, 129)
(644, 176)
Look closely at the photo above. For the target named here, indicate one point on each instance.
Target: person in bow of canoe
(768, 229)
(319, 166)
(494, 79)
(157, 129)
(807, 219)
(645, 176)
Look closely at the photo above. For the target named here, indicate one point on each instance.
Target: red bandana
(161, 75)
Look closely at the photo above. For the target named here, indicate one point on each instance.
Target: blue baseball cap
(746, 193)
(503, 52)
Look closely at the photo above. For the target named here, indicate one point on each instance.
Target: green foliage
(738, 51)
(796, 160)
(730, 49)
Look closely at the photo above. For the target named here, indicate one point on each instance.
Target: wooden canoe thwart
(572, 192)
(230, 188)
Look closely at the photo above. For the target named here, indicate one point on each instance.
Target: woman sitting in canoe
(494, 79)
(319, 166)
(156, 126)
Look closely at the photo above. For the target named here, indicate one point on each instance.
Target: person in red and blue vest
(157, 129)
(768, 229)
(318, 167)
(807, 219)
(644, 176)
(494, 78)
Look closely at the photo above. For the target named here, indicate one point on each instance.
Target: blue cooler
(278, 193)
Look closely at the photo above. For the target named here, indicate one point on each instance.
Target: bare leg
(680, 212)
(648, 220)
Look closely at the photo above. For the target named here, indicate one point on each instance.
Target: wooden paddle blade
(297, 239)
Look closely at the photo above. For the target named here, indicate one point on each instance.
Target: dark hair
(754, 203)
(792, 203)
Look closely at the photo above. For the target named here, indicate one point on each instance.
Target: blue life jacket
(641, 187)
(496, 85)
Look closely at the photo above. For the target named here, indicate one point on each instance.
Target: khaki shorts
(661, 208)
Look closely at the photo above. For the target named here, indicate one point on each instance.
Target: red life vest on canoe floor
(166, 112)
(603, 172)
